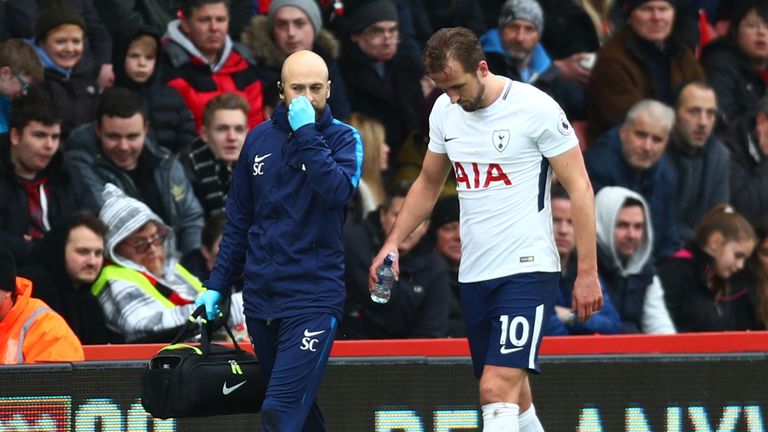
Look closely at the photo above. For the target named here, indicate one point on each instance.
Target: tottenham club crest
(500, 139)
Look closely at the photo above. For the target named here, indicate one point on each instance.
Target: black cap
(370, 13)
(446, 211)
(56, 13)
(631, 5)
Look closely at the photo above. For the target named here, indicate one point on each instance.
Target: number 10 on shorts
(519, 333)
(517, 330)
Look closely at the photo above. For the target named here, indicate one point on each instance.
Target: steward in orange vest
(30, 331)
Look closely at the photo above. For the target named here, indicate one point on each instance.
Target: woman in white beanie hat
(145, 293)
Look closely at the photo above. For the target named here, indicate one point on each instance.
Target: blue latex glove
(300, 112)
(209, 298)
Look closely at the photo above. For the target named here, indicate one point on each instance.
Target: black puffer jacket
(693, 301)
(749, 170)
(66, 195)
(75, 96)
(170, 122)
(737, 85)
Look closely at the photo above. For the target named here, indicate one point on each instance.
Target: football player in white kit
(503, 139)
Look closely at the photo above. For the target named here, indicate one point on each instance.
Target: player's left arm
(570, 170)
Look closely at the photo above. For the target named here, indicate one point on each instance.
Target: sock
(529, 422)
(500, 417)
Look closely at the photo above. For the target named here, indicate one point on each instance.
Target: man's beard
(474, 104)
(519, 56)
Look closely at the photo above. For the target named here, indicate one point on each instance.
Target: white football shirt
(499, 156)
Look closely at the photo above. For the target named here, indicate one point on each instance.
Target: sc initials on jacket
(309, 341)
(258, 165)
(479, 173)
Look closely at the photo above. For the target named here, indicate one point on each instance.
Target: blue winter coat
(285, 215)
(607, 167)
(605, 321)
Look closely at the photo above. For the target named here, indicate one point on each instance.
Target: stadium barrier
(678, 383)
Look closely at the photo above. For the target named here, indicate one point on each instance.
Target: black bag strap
(205, 331)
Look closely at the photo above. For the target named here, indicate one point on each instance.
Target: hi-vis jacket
(285, 212)
(32, 332)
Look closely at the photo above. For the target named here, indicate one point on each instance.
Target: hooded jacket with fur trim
(258, 39)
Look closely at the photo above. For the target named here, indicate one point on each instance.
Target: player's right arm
(570, 170)
(417, 207)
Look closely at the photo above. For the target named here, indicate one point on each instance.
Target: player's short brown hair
(457, 43)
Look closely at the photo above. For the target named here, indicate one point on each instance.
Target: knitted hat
(309, 7)
(124, 215)
(528, 10)
(54, 14)
(446, 211)
(7, 270)
(630, 5)
(371, 13)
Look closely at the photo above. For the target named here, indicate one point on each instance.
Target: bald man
(285, 212)
(304, 74)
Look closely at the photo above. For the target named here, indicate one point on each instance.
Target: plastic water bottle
(385, 281)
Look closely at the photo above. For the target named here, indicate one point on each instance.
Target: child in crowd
(135, 61)
(19, 68)
(70, 78)
(697, 279)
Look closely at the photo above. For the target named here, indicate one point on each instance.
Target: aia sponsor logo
(479, 176)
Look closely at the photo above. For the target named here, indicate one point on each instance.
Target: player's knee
(501, 384)
(490, 392)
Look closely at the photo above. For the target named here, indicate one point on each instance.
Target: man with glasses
(37, 188)
(115, 149)
(19, 68)
(383, 81)
(146, 295)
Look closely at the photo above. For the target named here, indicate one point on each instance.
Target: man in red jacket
(201, 61)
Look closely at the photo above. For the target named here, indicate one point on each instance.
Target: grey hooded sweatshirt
(634, 288)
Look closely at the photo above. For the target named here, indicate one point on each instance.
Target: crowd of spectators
(121, 123)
